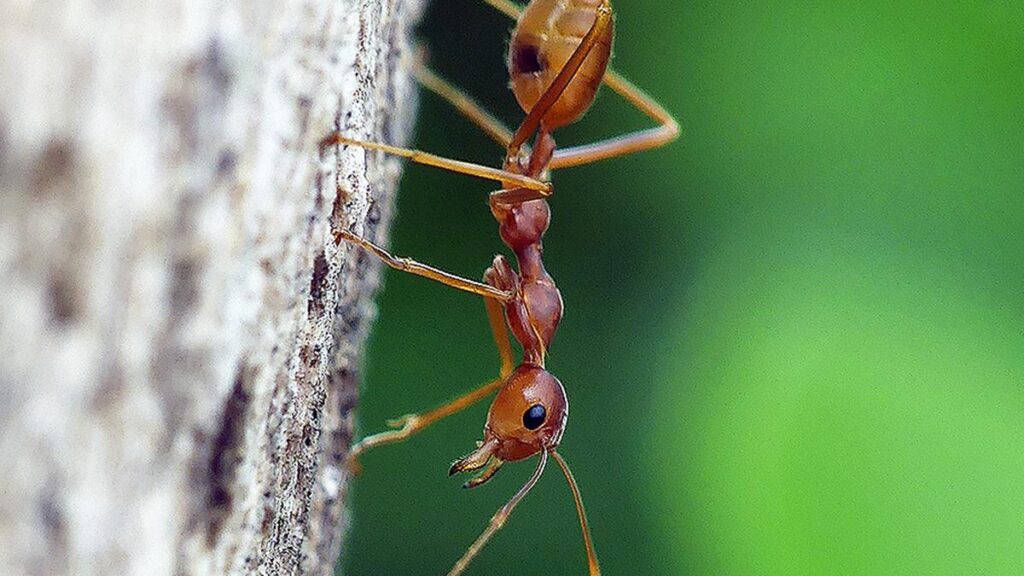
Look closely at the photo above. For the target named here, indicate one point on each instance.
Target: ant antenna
(592, 565)
(499, 518)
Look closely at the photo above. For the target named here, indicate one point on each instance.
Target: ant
(558, 58)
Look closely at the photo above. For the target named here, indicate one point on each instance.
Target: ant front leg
(427, 159)
(410, 424)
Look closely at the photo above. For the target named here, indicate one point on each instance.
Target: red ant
(558, 57)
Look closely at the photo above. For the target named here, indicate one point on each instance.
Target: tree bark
(180, 336)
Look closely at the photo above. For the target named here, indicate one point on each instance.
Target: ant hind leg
(666, 131)
(506, 7)
(465, 104)
(413, 267)
(473, 111)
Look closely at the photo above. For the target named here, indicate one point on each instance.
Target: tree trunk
(180, 335)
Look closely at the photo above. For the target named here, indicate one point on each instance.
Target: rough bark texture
(179, 333)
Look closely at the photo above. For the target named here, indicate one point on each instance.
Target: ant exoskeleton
(558, 57)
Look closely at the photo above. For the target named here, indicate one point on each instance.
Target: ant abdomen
(547, 34)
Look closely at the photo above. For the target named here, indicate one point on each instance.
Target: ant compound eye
(526, 60)
(534, 416)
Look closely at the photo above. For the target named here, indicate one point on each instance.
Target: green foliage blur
(794, 340)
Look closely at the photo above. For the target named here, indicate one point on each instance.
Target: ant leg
(510, 9)
(465, 104)
(496, 316)
(420, 157)
(667, 131)
(412, 423)
(414, 267)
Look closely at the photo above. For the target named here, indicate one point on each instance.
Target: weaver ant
(558, 57)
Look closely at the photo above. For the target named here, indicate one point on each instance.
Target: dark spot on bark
(373, 216)
(307, 435)
(111, 387)
(318, 201)
(226, 163)
(184, 284)
(344, 390)
(340, 199)
(350, 325)
(51, 514)
(345, 378)
(304, 104)
(317, 284)
(55, 168)
(64, 301)
(215, 69)
(4, 144)
(268, 516)
(225, 455)
(348, 404)
(197, 98)
(526, 59)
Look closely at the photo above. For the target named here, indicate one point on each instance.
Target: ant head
(528, 416)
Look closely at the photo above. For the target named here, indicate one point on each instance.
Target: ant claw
(404, 421)
(352, 463)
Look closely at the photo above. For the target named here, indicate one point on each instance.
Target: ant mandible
(558, 57)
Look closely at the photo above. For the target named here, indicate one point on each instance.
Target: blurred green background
(794, 340)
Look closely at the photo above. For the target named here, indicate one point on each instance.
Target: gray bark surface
(179, 334)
